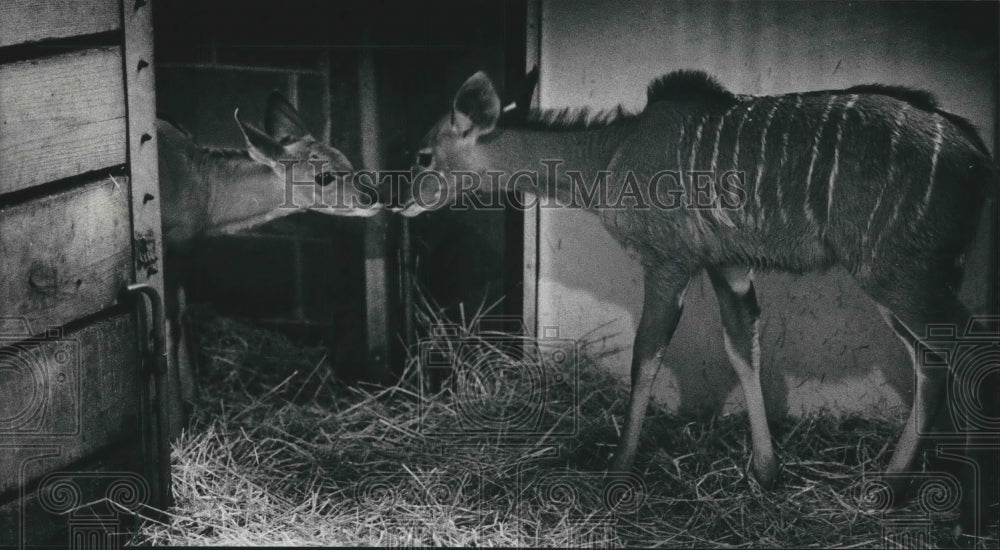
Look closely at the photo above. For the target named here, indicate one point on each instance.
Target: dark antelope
(875, 178)
(208, 190)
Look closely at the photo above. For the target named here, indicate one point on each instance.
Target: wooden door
(79, 223)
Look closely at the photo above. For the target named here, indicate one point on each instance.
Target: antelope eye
(325, 178)
(424, 158)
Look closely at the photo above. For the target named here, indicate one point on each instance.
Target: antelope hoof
(883, 493)
(621, 464)
(900, 488)
(766, 471)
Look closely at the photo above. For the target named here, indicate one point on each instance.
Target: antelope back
(869, 176)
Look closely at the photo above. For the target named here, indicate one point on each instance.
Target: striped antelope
(875, 178)
(208, 190)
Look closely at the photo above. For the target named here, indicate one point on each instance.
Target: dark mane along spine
(568, 119)
(925, 101)
(920, 99)
(688, 85)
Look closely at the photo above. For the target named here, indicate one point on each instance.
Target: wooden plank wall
(67, 255)
(91, 361)
(61, 116)
(73, 396)
(32, 20)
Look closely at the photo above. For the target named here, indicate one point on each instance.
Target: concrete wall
(823, 343)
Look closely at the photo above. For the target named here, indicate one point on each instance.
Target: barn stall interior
(284, 445)
(306, 275)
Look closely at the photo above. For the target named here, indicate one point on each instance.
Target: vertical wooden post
(376, 227)
(993, 290)
(147, 247)
(298, 270)
(406, 282)
(533, 57)
(327, 82)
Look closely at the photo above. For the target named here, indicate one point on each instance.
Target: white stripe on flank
(784, 158)
(891, 174)
(890, 181)
(836, 157)
(763, 160)
(739, 133)
(736, 149)
(694, 144)
(938, 138)
(713, 196)
(815, 153)
(680, 143)
(718, 137)
(691, 167)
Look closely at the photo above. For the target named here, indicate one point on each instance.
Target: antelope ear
(476, 107)
(262, 147)
(282, 120)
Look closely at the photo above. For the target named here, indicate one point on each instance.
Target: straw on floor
(510, 452)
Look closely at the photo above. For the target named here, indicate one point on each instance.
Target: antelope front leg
(185, 352)
(661, 310)
(180, 377)
(740, 313)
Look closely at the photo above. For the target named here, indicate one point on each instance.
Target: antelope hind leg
(740, 314)
(909, 319)
(663, 303)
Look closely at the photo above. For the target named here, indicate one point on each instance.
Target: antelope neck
(240, 188)
(583, 151)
